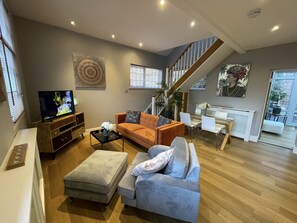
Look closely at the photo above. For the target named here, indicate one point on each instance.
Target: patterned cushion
(132, 117)
(153, 165)
(163, 121)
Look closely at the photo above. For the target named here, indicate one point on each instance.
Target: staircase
(198, 59)
(186, 60)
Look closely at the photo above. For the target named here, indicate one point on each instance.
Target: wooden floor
(286, 139)
(247, 182)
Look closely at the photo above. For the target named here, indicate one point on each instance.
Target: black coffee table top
(113, 135)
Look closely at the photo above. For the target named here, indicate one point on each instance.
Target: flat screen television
(54, 104)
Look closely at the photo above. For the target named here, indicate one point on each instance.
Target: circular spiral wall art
(89, 71)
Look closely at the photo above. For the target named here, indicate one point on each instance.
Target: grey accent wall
(175, 53)
(263, 62)
(46, 56)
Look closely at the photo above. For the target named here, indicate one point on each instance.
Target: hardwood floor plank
(278, 217)
(288, 186)
(229, 217)
(289, 214)
(210, 215)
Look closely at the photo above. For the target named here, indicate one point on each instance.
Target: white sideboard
(22, 190)
(243, 120)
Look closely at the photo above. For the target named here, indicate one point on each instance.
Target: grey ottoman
(96, 178)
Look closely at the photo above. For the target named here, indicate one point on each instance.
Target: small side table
(112, 136)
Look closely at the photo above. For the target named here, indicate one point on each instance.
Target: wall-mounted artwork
(89, 71)
(2, 87)
(233, 79)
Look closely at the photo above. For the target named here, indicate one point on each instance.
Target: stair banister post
(153, 105)
(167, 77)
(175, 112)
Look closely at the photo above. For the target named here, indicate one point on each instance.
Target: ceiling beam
(192, 8)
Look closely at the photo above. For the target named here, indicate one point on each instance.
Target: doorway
(280, 121)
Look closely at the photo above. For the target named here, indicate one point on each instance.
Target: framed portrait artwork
(232, 80)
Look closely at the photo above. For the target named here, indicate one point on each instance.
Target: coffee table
(112, 136)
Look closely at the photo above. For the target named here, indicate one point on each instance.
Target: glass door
(288, 81)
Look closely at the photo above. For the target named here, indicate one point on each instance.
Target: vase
(203, 112)
(105, 132)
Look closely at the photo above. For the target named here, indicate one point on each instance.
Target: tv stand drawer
(62, 140)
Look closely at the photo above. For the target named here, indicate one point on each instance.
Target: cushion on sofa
(163, 121)
(179, 161)
(156, 149)
(153, 165)
(146, 135)
(133, 117)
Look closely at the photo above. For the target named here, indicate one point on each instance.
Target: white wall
(263, 61)
(46, 56)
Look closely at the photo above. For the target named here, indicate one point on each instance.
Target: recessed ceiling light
(274, 28)
(140, 44)
(72, 23)
(192, 24)
(113, 36)
(162, 2)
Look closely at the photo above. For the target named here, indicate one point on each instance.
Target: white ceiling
(162, 28)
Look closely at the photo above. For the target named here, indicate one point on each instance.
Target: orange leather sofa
(146, 133)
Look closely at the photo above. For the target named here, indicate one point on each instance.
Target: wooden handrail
(181, 55)
(197, 64)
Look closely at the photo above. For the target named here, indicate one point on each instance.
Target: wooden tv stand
(53, 135)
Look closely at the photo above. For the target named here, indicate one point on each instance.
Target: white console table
(22, 190)
(243, 120)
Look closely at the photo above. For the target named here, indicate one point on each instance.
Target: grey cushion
(98, 172)
(163, 121)
(133, 117)
(179, 162)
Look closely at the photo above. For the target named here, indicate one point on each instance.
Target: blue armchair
(172, 192)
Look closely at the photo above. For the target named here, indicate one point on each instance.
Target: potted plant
(163, 96)
(277, 93)
(177, 101)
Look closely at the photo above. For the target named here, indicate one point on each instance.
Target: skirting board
(254, 138)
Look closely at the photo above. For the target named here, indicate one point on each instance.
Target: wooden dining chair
(209, 124)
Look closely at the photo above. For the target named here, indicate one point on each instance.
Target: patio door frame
(292, 102)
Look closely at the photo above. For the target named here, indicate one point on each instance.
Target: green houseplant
(277, 93)
(164, 95)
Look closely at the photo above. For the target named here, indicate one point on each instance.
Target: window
(144, 77)
(200, 85)
(9, 66)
